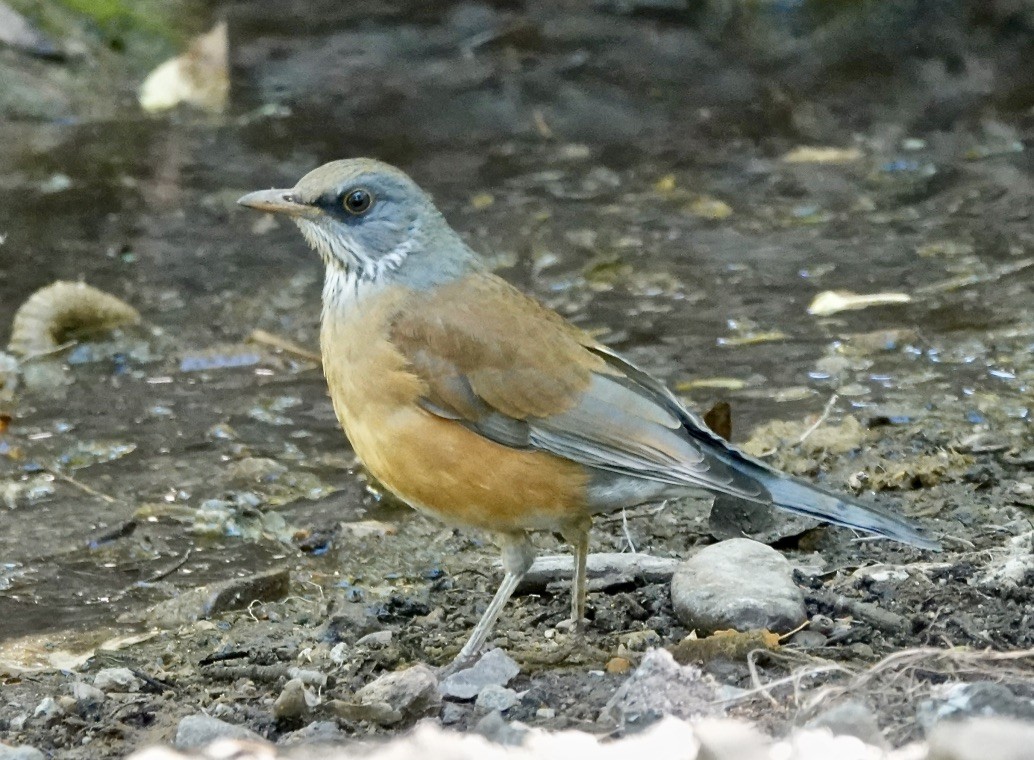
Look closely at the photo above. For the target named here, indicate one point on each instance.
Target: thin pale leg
(578, 536)
(518, 555)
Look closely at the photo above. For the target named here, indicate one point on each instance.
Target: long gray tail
(805, 499)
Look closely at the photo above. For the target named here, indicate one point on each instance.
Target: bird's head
(370, 220)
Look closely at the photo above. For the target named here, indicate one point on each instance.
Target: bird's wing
(515, 372)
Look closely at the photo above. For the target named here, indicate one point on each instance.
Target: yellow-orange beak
(277, 202)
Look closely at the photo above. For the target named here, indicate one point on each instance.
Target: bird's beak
(277, 202)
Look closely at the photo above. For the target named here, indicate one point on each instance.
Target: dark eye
(357, 201)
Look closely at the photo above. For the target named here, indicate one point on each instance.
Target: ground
(656, 199)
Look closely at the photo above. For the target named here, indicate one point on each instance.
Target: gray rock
(375, 640)
(495, 728)
(48, 710)
(982, 739)
(982, 699)
(200, 729)
(20, 752)
(454, 712)
(851, 718)
(206, 601)
(404, 695)
(87, 697)
(295, 701)
(119, 680)
(659, 687)
(495, 668)
(317, 732)
(738, 584)
(495, 697)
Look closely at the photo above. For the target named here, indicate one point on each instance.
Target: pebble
(375, 640)
(851, 718)
(295, 701)
(712, 591)
(87, 697)
(494, 697)
(957, 701)
(207, 601)
(199, 730)
(20, 752)
(454, 712)
(403, 695)
(119, 680)
(618, 665)
(495, 668)
(308, 677)
(659, 687)
(982, 739)
(48, 709)
(317, 732)
(495, 728)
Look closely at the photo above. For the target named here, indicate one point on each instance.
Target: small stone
(308, 677)
(808, 640)
(87, 697)
(495, 668)
(200, 729)
(454, 712)
(640, 641)
(658, 687)
(20, 752)
(545, 713)
(982, 739)
(405, 694)
(494, 697)
(957, 701)
(207, 601)
(317, 732)
(711, 591)
(295, 701)
(851, 718)
(375, 640)
(120, 680)
(618, 665)
(495, 728)
(48, 710)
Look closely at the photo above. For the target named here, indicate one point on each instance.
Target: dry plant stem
(81, 486)
(283, 344)
(822, 418)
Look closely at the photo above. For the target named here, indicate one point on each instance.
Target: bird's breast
(436, 465)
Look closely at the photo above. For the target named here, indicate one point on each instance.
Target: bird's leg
(578, 536)
(518, 555)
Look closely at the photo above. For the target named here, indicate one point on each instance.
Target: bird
(477, 405)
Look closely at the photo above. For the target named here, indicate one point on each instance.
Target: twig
(169, 570)
(624, 527)
(822, 418)
(283, 344)
(81, 486)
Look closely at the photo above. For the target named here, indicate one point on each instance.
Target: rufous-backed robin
(476, 404)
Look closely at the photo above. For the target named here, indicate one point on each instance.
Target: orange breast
(434, 464)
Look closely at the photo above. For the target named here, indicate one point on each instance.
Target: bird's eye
(357, 201)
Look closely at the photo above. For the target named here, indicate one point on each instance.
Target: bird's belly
(443, 469)
(437, 465)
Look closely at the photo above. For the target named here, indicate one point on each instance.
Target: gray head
(372, 221)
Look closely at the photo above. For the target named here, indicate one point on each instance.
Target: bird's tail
(811, 501)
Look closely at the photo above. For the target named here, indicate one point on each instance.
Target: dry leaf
(834, 301)
(199, 77)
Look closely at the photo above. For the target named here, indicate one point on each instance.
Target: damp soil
(647, 197)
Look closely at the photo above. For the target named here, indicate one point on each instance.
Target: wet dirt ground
(629, 166)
